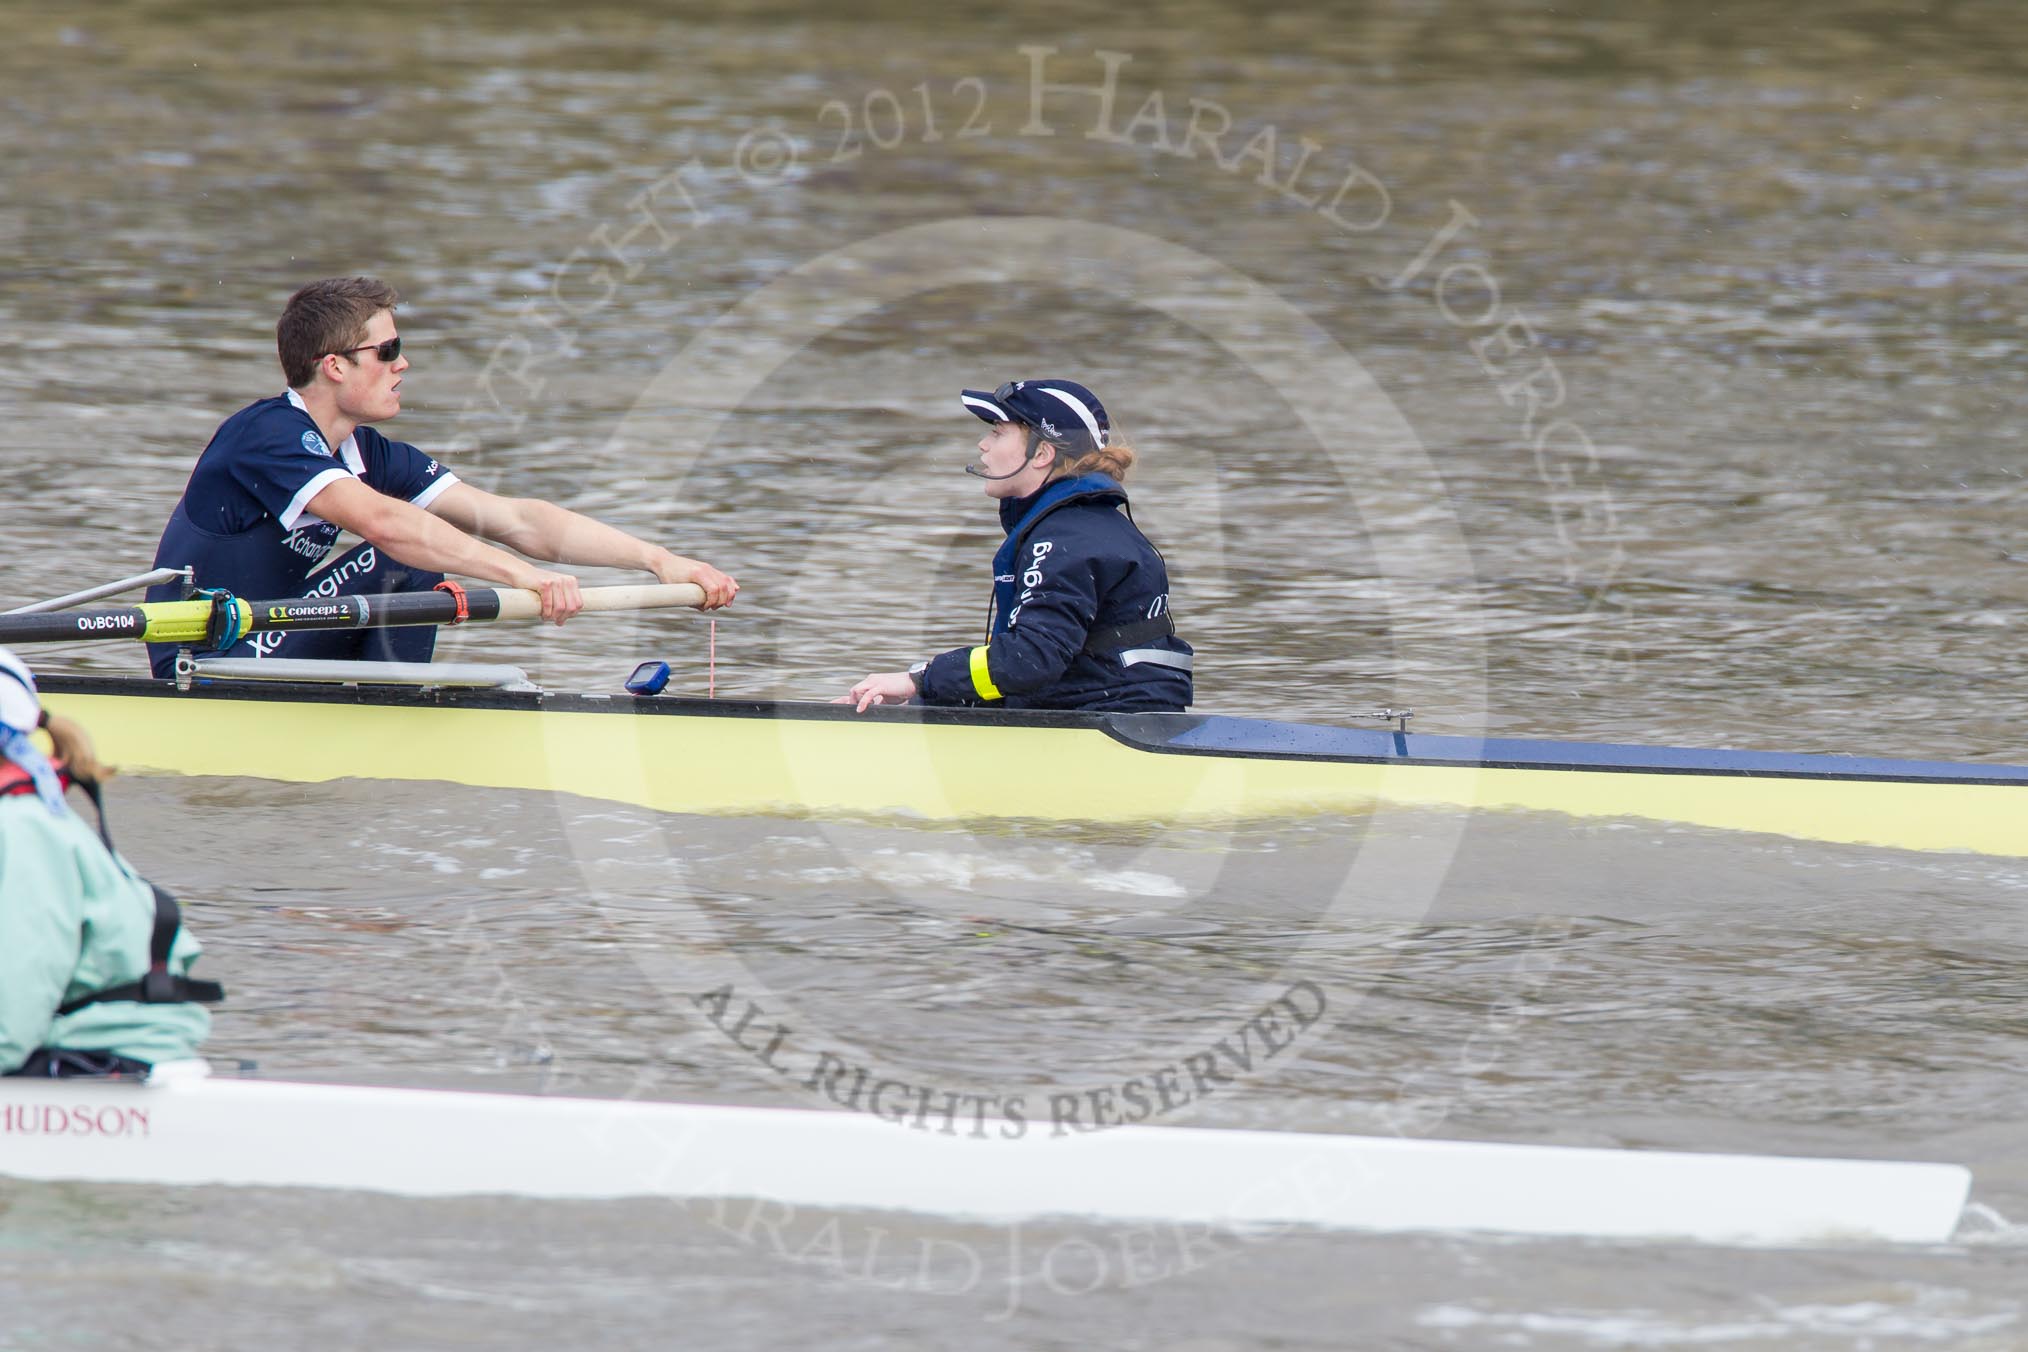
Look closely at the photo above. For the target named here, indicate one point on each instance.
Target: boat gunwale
(1156, 733)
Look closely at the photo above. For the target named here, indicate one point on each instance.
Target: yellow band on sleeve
(982, 675)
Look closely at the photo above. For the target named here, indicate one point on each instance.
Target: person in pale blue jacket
(94, 963)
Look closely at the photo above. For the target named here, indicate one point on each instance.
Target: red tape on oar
(457, 594)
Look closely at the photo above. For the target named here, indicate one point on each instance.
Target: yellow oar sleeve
(185, 621)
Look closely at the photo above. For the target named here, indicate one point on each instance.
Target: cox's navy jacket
(1080, 612)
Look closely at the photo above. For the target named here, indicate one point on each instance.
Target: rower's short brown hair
(327, 316)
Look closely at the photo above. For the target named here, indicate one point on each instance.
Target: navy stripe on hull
(1221, 736)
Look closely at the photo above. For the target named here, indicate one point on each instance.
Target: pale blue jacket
(75, 918)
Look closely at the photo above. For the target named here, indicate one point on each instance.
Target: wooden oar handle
(516, 604)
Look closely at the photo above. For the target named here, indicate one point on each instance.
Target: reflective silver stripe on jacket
(1161, 657)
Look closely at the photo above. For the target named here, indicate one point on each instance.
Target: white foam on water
(439, 863)
(1932, 1316)
(965, 871)
(1986, 1227)
(1136, 884)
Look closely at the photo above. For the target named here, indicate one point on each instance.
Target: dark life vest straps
(62, 1063)
(1113, 638)
(160, 986)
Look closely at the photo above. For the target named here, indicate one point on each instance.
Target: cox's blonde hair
(1115, 460)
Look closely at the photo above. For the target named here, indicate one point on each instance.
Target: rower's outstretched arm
(544, 530)
(411, 534)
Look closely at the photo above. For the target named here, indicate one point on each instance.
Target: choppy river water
(1642, 373)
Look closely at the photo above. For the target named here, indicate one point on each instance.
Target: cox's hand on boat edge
(882, 687)
(719, 588)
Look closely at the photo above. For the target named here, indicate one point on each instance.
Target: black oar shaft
(371, 612)
(54, 626)
(217, 620)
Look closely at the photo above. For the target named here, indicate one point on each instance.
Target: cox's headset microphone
(1035, 444)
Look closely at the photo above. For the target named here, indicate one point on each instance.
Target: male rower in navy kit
(268, 496)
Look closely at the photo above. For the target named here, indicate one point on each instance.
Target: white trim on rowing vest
(1160, 657)
(348, 449)
(347, 455)
(430, 494)
(299, 504)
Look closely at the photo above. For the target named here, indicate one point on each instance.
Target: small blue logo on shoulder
(314, 444)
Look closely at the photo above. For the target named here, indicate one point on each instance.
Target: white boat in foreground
(183, 1128)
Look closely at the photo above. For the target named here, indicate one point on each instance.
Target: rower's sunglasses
(386, 351)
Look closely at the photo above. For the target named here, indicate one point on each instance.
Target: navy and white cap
(1062, 411)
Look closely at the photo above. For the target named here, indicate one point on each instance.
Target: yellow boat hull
(745, 759)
